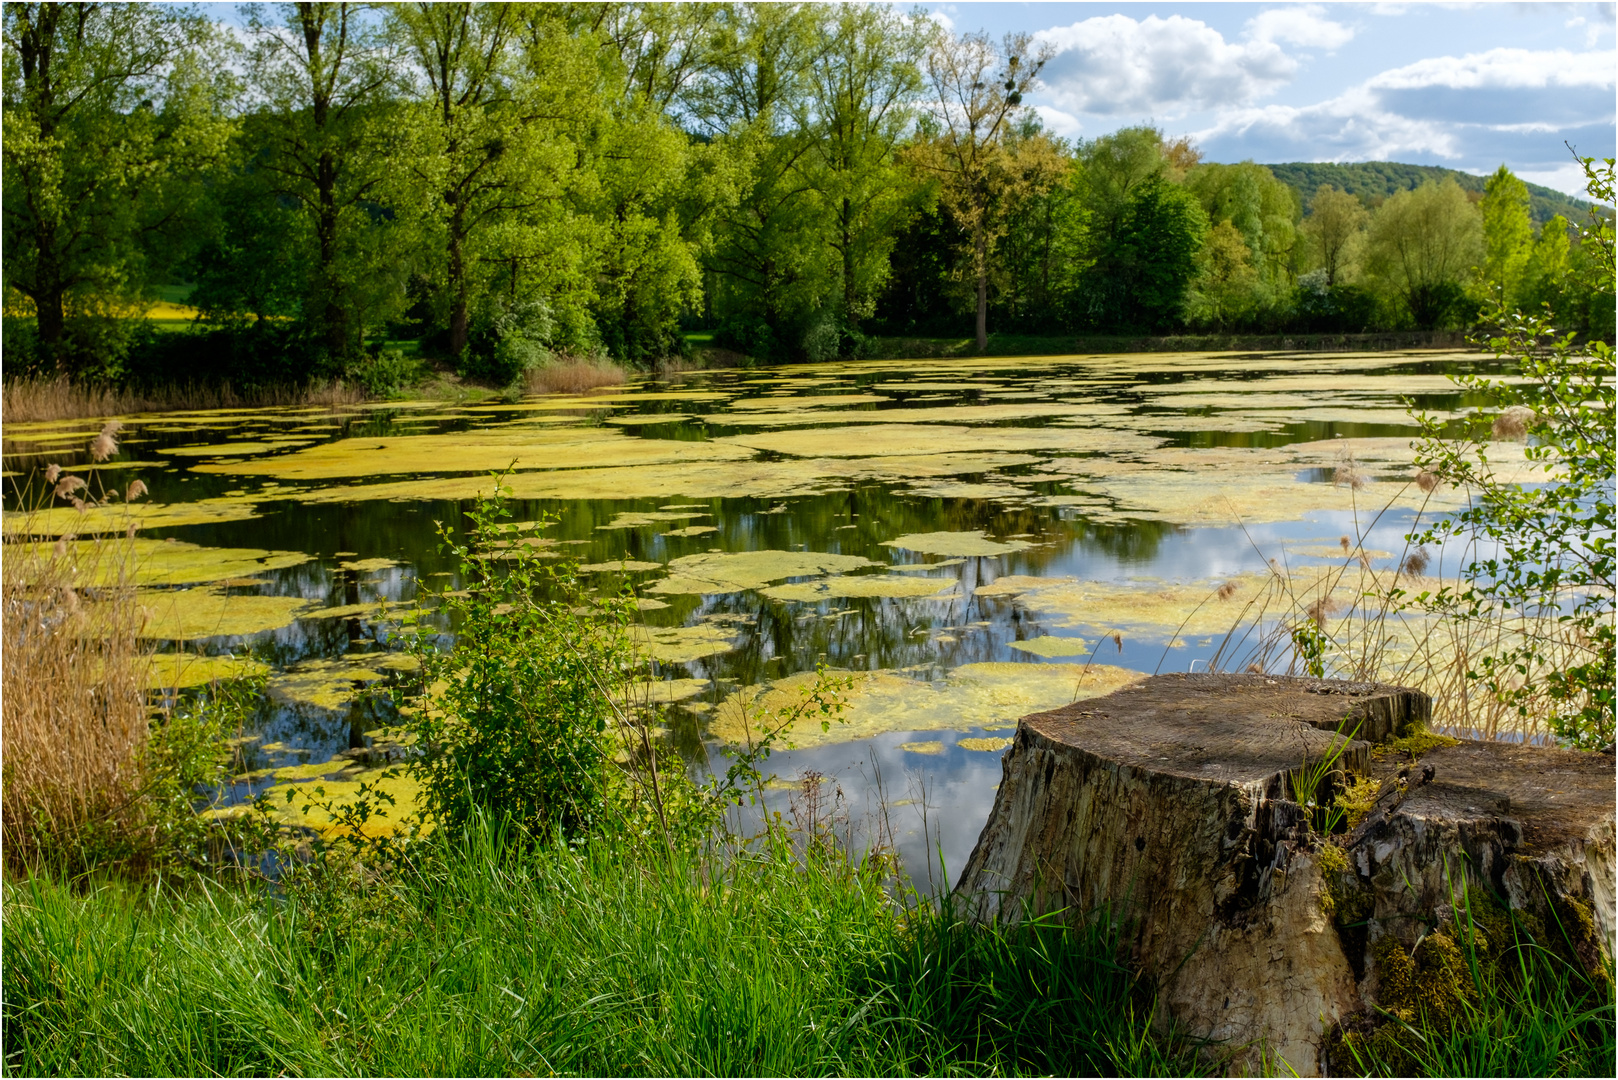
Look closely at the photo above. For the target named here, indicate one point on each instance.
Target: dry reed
(76, 720)
(1373, 626)
(59, 398)
(572, 375)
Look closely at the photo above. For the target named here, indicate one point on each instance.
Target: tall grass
(60, 398)
(573, 375)
(75, 718)
(567, 961)
(1356, 620)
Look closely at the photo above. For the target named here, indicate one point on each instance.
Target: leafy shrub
(1545, 550)
(1319, 308)
(507, 339)
(384, 372)
(513, 723)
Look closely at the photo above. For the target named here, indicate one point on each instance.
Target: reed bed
(75, 721)
(1355, 620)
(573, 375)
(60, 398)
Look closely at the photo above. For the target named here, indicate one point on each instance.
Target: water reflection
(1064, 504)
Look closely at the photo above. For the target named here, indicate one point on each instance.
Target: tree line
(500, 183)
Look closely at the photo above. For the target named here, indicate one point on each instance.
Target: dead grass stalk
(59, 398)
(75, 718)
(573, 375)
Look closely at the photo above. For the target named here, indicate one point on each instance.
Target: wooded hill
(1374, 181)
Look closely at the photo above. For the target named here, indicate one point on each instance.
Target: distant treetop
(1373, 181)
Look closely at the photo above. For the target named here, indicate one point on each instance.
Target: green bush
(1543, 552)
(513, 722)
(507, 339)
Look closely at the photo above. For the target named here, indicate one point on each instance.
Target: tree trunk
(1172, 808)
(981, 244)
(459, 317)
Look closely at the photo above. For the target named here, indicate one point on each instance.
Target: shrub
(505, 340)
(1543, 551)
(513, 723)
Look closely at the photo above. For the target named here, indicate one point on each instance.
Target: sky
(1465, 85)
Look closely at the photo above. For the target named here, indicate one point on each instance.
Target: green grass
(572, 962)
(595, 962)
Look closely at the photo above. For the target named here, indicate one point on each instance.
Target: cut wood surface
(1176, 808)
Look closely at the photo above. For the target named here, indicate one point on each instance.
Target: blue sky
(1468, 86)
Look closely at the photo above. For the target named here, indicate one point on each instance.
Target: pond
(977, 539)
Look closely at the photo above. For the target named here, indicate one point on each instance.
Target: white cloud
(1473, 111)
(1569, 178)
(943, 20)
(1116, 65)
(1058, 122)
(1503, 68)
(1304, 25)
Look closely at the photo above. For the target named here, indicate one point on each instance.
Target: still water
(977, 539)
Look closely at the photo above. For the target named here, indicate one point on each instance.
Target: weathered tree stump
(1175, 807)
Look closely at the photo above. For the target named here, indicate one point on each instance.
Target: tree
(1261, 208)
(767, 257)
(977, 92)
(320, 73)
(470, 150)
(1044, 250)
(1546, 271)
(860, 102)
(1145, 231)
(1227, 285)
(1508, 234)
(112, 121)
(1421, 248)
(1335, 233)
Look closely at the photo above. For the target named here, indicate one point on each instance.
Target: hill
(1373, 181)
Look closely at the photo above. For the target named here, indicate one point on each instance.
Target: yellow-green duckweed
(965, 544)
(714, 573)
(193, 614)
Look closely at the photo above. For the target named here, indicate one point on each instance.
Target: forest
(333, 191)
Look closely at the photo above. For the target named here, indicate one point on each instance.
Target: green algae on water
(193, 614)
(714, 573)
(1051, 647)
(182, 670)
(966, 544)
(865, 586)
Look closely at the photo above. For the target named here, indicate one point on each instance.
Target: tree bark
(982, 259)
(1171, 808)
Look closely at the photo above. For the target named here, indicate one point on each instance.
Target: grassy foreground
(562, 961)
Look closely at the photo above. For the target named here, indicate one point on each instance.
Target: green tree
(977, 89)
(1508, 235)
(496, 91)
(1227, 286)
(1421, 249)
(1548, 268)
(1261, 208)
(321, 74)
(1044, 251)
(113, 120)
(1335, 233)
(1145, 231)
(767, 257)
(860, 103)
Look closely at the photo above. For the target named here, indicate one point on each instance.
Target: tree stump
(1193, 811)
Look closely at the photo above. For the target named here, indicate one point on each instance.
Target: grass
(573, 375)
(59, 398)
(75, 722)
(567, 961)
